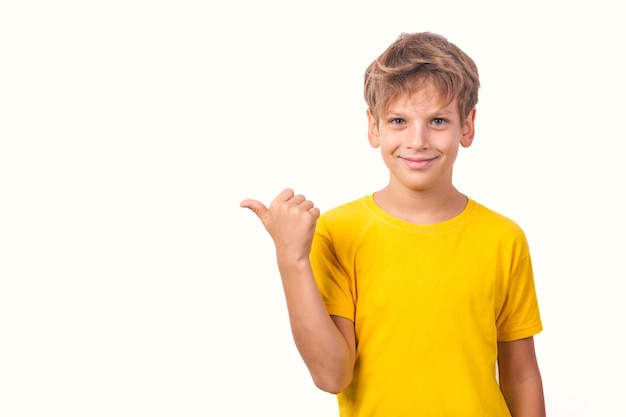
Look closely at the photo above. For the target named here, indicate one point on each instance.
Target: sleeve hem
(518, 334)
(336, 310)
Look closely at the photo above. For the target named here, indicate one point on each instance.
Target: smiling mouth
(418, 163)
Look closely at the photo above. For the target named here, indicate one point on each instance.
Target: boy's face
(419, 138)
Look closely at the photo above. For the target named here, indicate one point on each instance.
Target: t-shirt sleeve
(519, 316)
(333, 281)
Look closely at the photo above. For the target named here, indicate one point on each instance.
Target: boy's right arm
(326, 343)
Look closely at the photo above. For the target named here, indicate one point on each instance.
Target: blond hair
(415, 59)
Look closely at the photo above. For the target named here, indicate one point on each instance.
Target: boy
(414, 300)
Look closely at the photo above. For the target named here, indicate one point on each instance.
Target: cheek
(453, 151)
(450, 144)
(391, 142)
(388, 148)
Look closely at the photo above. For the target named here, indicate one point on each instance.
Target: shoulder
(345, 220)
(495, 218)
(497, 225)
(346, 211)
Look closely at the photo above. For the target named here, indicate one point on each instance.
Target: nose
(418, 137)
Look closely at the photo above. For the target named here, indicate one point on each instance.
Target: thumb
(256, 206)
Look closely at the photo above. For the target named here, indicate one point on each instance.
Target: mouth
(417, 163)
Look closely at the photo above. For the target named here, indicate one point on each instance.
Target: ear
(468, 129)
(373, 135)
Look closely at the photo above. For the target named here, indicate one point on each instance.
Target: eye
(396, 121)
(438, 121)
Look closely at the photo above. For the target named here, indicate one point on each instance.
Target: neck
(419, 207)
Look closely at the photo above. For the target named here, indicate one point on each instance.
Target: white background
(132, 284)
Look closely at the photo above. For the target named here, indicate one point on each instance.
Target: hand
(290, 220)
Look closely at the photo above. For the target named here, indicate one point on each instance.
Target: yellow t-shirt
(429, 303)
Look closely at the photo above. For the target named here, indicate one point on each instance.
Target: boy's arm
(326, 344)
(520, 379)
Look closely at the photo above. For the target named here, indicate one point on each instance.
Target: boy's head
(417, 59)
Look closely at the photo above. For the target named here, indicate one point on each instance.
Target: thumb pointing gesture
(256, 206)
(290, 220)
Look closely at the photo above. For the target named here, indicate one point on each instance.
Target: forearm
(324, 349)
(525, 398)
